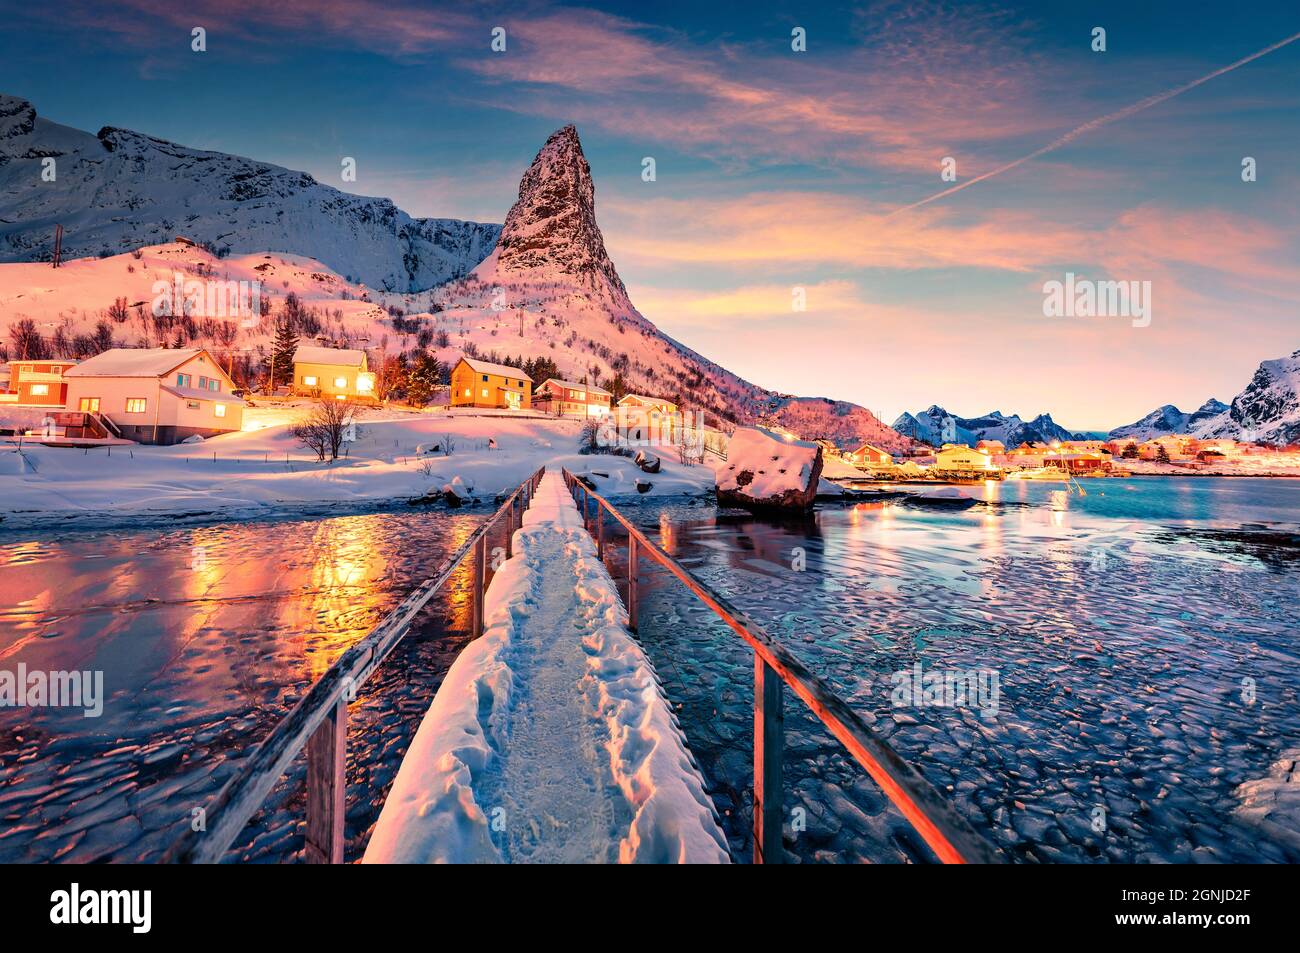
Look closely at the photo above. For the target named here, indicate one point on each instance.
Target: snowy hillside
(1169, 420)
(121, 190)
(937, 426)
(1267, 411)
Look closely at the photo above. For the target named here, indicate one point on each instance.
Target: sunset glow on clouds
(778, 169)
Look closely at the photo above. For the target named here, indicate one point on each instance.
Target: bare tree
(323, 430)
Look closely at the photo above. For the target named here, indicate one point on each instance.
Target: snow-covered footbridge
(550, 739)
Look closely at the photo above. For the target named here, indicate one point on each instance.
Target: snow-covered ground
(264, 466)
(550, 739)
(1270, 465)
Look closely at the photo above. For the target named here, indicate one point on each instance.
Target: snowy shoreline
(265, 472)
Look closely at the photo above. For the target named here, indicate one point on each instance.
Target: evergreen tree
(618, 387)
(424, 377)
(285, 347)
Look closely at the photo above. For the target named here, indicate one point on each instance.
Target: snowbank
(550, 738)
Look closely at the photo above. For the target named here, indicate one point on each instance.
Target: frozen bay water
(1144, 636)
(207, 635)
(1122, 626)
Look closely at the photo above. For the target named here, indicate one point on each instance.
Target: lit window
(219, 410)
(89, 405)
(485, 392)
(309, 381)
(40, 390)
(468, 392)
(135, 405)
(365, 383)
(340, 382)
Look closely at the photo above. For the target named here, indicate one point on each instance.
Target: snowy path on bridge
(550, 739)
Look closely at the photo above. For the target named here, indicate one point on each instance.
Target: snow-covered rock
(765, 470)
(119, 190)
(457, 492)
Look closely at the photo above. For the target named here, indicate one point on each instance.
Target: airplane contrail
(1087, 127)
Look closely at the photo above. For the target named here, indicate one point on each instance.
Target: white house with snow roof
(476, 383)
(332, 372)
(156, 395)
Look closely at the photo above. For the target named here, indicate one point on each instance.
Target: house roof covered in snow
(500, 370)
(136, 362)
(191, 393)
(343, 357)
(649, 401)
(574, 385)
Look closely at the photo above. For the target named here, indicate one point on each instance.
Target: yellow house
(477, 383)
(958, 456)
(646, 420)
(332, 372)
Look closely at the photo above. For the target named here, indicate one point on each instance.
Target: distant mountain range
(937, 426)
(1168, 419)
(119, 190)
(1267, 411)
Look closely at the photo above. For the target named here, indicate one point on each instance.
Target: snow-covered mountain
(549, 289)
(119, 190)
(936, 426)
(1168, 419)
(1267, 411)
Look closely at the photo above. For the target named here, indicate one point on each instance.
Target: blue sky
(779, 169)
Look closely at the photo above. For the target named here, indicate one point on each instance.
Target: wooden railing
(934, 819)
(320, 720)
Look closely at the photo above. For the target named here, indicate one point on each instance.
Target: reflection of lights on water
(1060, 500)
(666, 539)
(341, 605)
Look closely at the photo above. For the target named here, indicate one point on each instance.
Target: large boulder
(769, 471)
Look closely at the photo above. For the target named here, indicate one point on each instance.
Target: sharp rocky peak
(551, 231)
